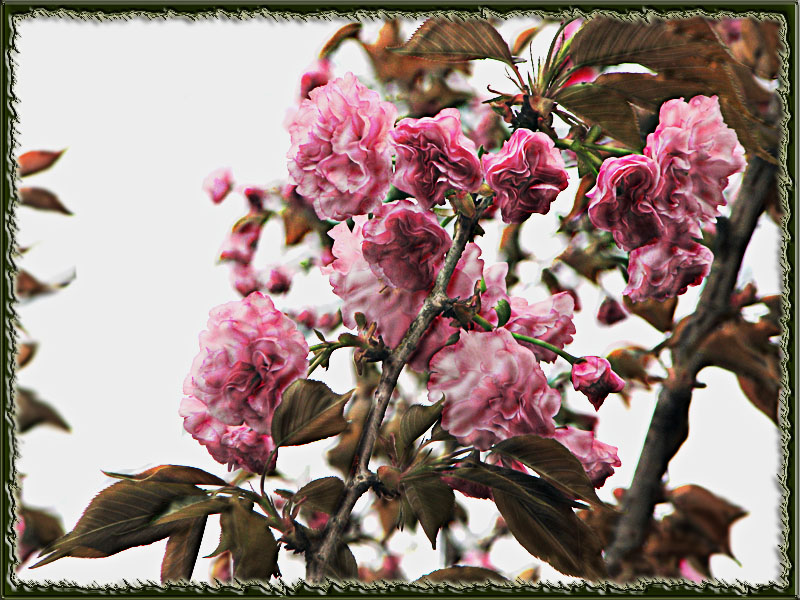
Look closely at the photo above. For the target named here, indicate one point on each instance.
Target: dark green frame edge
(309, 8)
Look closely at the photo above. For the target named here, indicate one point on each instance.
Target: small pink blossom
(598, 459)
(549, 320)
(696, 153)
(340, 157)
(318, 74)
(594, 378)
(666, 269)
(493, 389)
(242, 241)
(623, 201)
(279, 280)
(249, 355)
(689, 572)
(239, 447)
(610, 312)
(526, 174)
(218, 184)
(405, 245)
(433, 155)
(244, 279)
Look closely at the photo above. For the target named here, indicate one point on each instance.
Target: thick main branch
(360, 476)
(670, 423)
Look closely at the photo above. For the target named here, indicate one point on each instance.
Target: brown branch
(670, 423)
(361, 478)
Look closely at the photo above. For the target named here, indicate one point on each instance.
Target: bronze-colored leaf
(457, 40)
(388, 510)
(581, 202)
(589, 262)
(341, 455)
(758, 47)
(173, 474)
(246, 534)
(26, 286)
(649, 91)
(193, 508)
(221, 569)
(182, 549)
(524, 39)
(552, 461)
(38, 160)
(40, 529)
(343, 566)
(605, 108)
(42, 199)
(31, 411)
(121, 517)
(323, 494)
(309, 411)
(296, 224)
(349, 31)
(708, 512)
(658, 314)
(460, 574)
(417, 419)
(432, 501)
(25, 353)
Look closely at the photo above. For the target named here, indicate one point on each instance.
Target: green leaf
(323, 494)
(417, 419)
(457, 40)
(182, 549)
(246, 534)
(503, 310)
(553, 462)
(432, 501)
(604, 107)
(309, 411)
(460, 574)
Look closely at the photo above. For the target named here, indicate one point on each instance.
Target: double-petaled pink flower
(666, 269)
(526, 174)
(434, 155)
(598, 459)
(340, 157)
(595, 379)
(493, 389)
(549, 320)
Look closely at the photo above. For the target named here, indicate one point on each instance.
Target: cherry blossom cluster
(654, 204)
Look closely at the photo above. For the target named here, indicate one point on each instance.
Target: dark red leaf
(38, 160)
(41, 199)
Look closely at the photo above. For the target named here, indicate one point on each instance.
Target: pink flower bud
(594, 378)
(218, 184)
(611, 312)
(244, 279)
(527, 174)
(340, 157)
(598, 459)
(433, 155)
(318, 74)
(242, 241)
(279, 281)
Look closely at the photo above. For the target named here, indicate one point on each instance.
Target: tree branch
(670, 423)
(360, 476)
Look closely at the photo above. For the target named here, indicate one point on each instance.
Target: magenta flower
(433, 155)
(549, 320)
(493, 389)
(244, 279)
(696, 153)
(666, 269)
(317, 75)
(218, 184)
(241, 243)
(248, 356)
(598, 459)
(610, 312)
(238, 447)
(405, 245)
(526, 174)
(279, 280)
(340, 157)
(623, 201)
(594, 378)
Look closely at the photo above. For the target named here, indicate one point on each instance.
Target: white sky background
(147, 109)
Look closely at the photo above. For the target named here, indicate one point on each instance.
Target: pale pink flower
(666, 269)
(493, 389)
(598, 459)
(340, 157)
(433, 155)
(595, 379)
(244, 278)
(549, 320)
(696, 153)
(405, 245)
(241, 243)
(239, 447)
(248, 356)
(279, 280)
(526, 174)
(218, 184)
(623, 201)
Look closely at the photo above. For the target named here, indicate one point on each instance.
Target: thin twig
(360, 476)
(670, 423)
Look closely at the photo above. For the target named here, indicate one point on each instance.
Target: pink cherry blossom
(279, 280)
(493, 389)
(610, 312)
(218, 184)
(696, 153)
(242, 241)
(666, 269)
(623, 201)
(526, 174)
(405, 245)
(318, 74)
(340, 157)
(597, 458)
(248, 356)
(239, 447)
(244, 278)
(433, 154)
(549, 320)
(594, 378)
